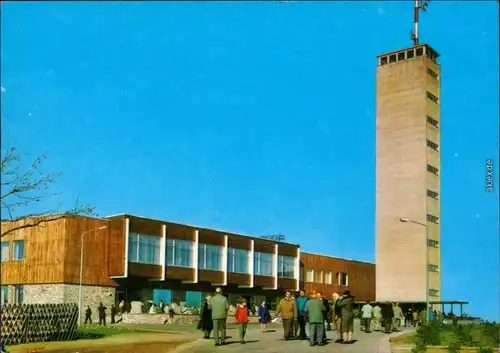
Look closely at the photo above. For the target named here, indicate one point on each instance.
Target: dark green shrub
(429, 334)
(485, 350)
(454, 347)
(88, 335)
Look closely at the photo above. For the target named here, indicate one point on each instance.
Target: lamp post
(427, 304)
(80, 289)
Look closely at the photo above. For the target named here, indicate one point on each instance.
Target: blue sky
(250, 117)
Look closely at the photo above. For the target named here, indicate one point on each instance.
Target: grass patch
(95, 332)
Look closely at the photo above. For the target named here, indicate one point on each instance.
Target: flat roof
(408, 48)
(202, 228)
(336, 257)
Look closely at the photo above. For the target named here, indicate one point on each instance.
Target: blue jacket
(301, 305)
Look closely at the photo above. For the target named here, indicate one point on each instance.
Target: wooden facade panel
(180, 273)
(264, 281)
(287, 284)
(238, 242)
(287, 250)
(360, 276)
(145, 226)
(211, 237)
(44, 253)
(180, 232)
(238, 278)
(264, 246)
(144, 270)
(95, 251)
(116, 253)
(210, 276)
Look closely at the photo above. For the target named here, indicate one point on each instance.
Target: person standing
(377, 317)
(113, 313)
(101, 309)
(325, 314)
(398, 317)
(415, 318)
(347, 307)
(264, 316)
(206, 324)
(295, 323)
(121, 306)
(241, 315)
(408, 318)
(315, 310)
(220, 306)
(388, 315)
(88, 315)
(366, 316)
(336, 315)
(301, 310)
(288, 311)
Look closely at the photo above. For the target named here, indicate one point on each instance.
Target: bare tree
(23, 188)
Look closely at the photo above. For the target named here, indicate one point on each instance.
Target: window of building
(433, 268)
(383, 60)
(432, 169)
(433, 292)
(433, 219)
(210, 257)
(179, 253)
(401, 56)
(392, 58)
(432, 194)
(286, 266)
(5, 251)
(19, 294)
(238, 260)
(144, 249)
(4, 295)
(431, 73)
(342, 279)
(432, 121)
(433, 243)
(318, 277)
(420, 51)
(410, 54)
(432, 144)
(263, 264)
(328, 277)
(432, 97)
(18, 251)
(310, 276)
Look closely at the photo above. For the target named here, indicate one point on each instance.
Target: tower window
(432, 121)
(433, 268)
(433, 292)
(432, 169)
(432, 219)
(383, 60)
(392, 58)
(432, 145)
(420, 51)
(410, 54)
(401, 56)
(432, 97)
(432, 194)
(431, 73)
(433, 243)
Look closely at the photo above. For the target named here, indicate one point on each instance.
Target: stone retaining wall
(154, 319)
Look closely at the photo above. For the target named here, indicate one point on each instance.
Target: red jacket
(241, 314)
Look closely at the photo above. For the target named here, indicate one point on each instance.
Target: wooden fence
(38, 322)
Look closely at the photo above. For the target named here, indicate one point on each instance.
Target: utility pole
(419, 5)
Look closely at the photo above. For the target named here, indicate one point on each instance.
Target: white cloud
(4, 89)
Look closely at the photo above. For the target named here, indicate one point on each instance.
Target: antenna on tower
(419, 5)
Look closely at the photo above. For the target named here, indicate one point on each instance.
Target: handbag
(200, 324)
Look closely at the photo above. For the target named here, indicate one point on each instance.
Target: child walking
(263, 316)
(241, 316)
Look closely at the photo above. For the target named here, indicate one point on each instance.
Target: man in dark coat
(387, 315)
(102, 314)
(88, 315)
(113, 313)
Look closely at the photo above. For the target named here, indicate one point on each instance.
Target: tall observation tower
(408, 173)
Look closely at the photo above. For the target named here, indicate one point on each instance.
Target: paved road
(274, 342)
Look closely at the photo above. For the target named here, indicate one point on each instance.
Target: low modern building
(133, 258)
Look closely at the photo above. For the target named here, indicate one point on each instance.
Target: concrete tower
(408, 176)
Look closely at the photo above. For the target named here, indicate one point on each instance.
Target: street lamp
(427, 305)
(80, 289)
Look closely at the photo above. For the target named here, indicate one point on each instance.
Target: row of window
(147, 248)
(432, 121)
(432, 194)
(318, 276)
(432, 169)
(405, 55)
(431, 218)
(433, 243)
(432, 97)
(433, 292)
(17, 253)
(431, 73)
(433, 268)
(432, 145)
(18, 295)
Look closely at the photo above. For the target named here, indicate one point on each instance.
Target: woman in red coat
(241, 316)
